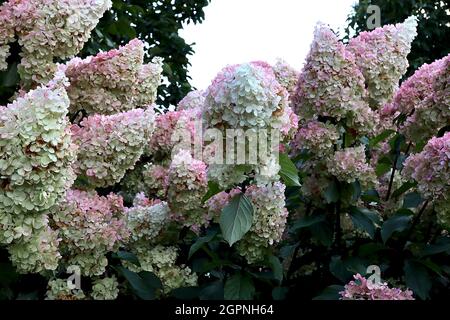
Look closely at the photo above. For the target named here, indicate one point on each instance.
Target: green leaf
(308, 221)
(236, 219)
(382, 168)
(371, 196)
(213, 189)
(330, 293)
(288, 171)
(128, 256)
(417, 278)
(412, 200)
(323, 233)
(212, 291)
(276, 267)
(339, 269)
(239, 287)
(405, 187)
(142, 288)
(332, 192)
(437, 248)
(279, 293)
(200, 242)
(151, 279)
(381, 137)
(363, 219)
(394, 224)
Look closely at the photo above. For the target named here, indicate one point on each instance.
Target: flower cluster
(110, 145)
(317, 137)
(248, 97)
(381, 55)
(90, 226)
(349, 165)
(146, 218)
(361, 289)
(36, 152)
(244, 96)
(425, 99)
(193, 100)
(156, 180)
(36, 155)
(286, 75)
(36, 254)
(105, 289)
(59, 290)
(161, 261)
(330, 84)
(431, 169)
(47, 29)
(188, 185)
(269, 220)
(172, 129)
(113, 81)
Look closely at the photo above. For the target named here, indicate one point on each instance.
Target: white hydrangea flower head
(146, 219)
(36, 152)
(105, 289)
(37, 254)
(43, 39)
(59, 290)
(269, 220)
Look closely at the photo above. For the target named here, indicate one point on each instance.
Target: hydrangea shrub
(94, 177)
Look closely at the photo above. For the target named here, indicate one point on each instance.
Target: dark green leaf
(276, 267)
(236, 219)
(128, 256)
(239, 287)
(339, 269)
(330, 293)
(288, 171)
(151, 279)
(412, 200)
(200, 242)
(213, 189)
(405, 187)
(382, 168)
(437, 248)
(213, 291)
(363, 219)
(142, 289)
(394, 224)
(322, 232)
(279, 293)
(332, 193)
(307, 221)
(381, 137)
(417, 278)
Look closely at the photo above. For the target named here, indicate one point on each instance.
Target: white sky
(237, 31)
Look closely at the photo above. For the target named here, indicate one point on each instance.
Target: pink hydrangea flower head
(361, 289)
(381, 55)
(95, 86)
(111, 145)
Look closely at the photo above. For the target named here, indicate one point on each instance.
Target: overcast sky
(236, 31)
